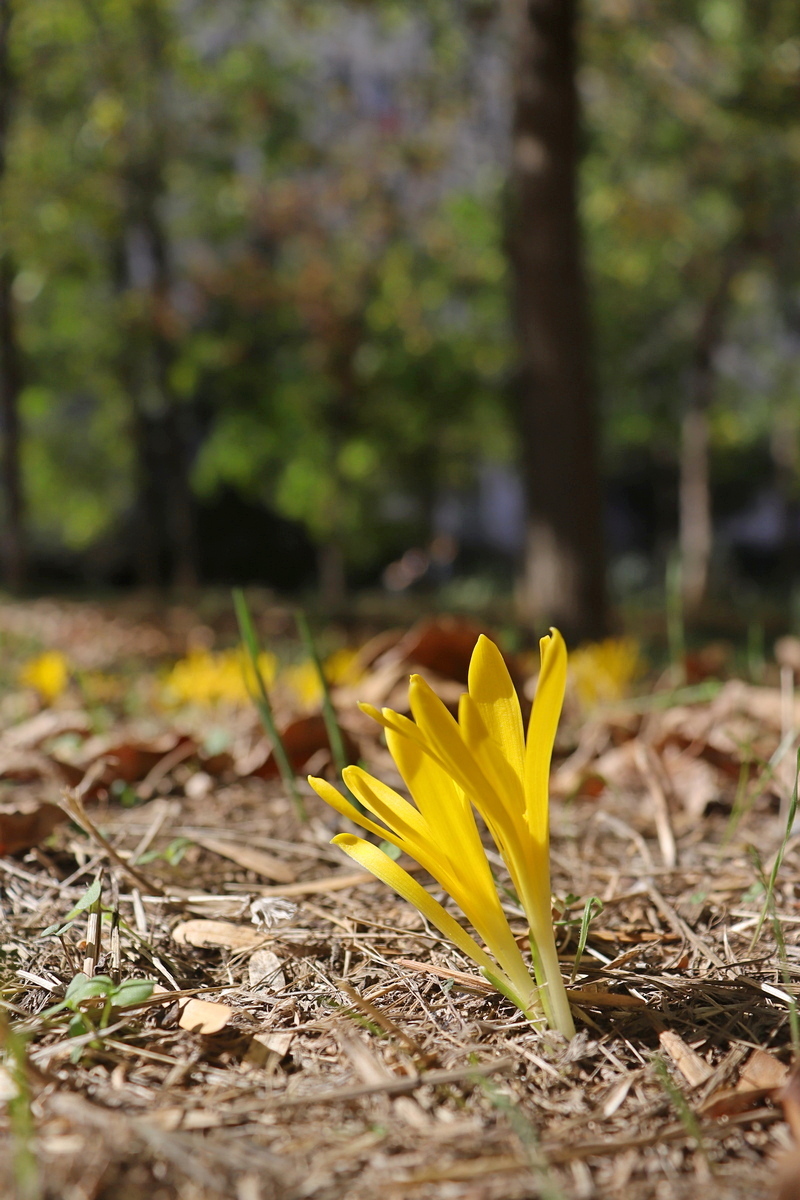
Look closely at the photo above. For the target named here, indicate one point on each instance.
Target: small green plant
(172, 854)
(90, 897)
(95, 1000)
(331, 723)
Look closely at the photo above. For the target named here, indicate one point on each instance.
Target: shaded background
(294, 293)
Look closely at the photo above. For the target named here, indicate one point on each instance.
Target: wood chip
(264, 970)
(695, 1070)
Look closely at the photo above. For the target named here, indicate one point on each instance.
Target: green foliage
(219, 218)
(326, 333)
(691, 169)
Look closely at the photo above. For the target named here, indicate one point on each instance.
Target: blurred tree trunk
(564, 571)
(161, 427)
(332, 577)
(13, 548)
(695, 529)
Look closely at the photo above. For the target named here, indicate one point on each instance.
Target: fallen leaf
(205, 1016)
(695, 783)
(28, 766)
(267, 1049)
(47, 724)
(788, 1171)
(131, 759)
(222, 935)
(23, 827)
(790, 1099)
(302, 739)
(728, 1102)
(762, 1070)
(444, 646)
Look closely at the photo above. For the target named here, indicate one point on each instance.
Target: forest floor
(308, 1034)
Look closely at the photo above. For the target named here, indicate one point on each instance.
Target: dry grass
(366, 1059)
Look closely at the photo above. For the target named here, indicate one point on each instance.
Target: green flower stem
(551, 982)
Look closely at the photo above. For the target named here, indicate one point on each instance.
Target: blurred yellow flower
(303, 684)
(48, 673)
(343, 667)
(603, 672)
(206, 679)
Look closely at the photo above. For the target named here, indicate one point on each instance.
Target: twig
(652, 773)
(72, 804)
(396, 1086)
(94, 930)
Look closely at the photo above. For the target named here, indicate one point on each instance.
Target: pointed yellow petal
(456, 841)
(446, 810)
(441, 737)
(331, 795)
(493, 762)
(390, 719)
(386, 804)
(405, 827)
(542, 733)
(491, 688)
(374, 860)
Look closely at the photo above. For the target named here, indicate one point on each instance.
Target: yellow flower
(343, 667)
(303, 683)
(206, 679)
(603, 671)
(480, 762)
(48, 673)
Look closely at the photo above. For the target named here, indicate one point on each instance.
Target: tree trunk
(564, 570)
(332, 579)
(13, 547)
(696, 533)
(164, 440)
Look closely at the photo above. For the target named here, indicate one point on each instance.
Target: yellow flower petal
(455, 840)
(374, 860)
(491, 688)
(386, 804)
(441, 737)
(542, 728)
(446, 810)
(489, 754)
(326, 791)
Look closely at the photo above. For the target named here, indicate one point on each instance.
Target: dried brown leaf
(216, 934)
(205, 1016)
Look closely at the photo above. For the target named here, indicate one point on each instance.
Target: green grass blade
(261, 701)
(591, 909)
(328, 712)
(332, 726)
(769, 901)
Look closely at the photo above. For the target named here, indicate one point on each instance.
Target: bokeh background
(456, 297)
